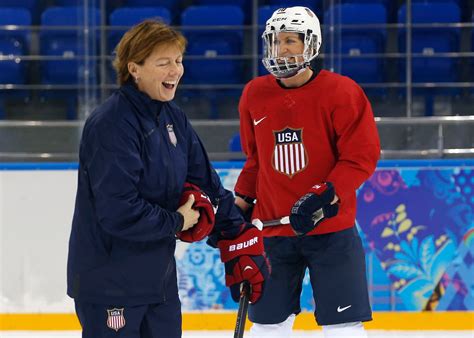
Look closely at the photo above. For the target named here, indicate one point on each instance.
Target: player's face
(289, 44)
(159, 75)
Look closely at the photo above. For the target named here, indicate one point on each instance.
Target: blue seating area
(429, 41)
(215, 48)
(65, 43)
(354, 43)
(70, 50)
(13, 43)
(240, 3)
(213, 43)
(235, 143)
(264, 13)
(315, 5)
(26, 4)
(356, 48)
(129, 16)
(169, 4)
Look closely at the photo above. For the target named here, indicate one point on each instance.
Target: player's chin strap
(293, 72)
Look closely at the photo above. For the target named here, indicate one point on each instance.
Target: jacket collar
(143, 103)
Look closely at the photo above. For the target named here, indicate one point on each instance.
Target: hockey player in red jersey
(310, 140)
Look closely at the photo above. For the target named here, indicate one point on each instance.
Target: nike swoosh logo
(256, 122)
(340, 309)
(248, 267)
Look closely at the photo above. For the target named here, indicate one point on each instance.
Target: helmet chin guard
(299, 20)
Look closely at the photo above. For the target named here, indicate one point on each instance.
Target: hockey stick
(242, 312)
(317, 216)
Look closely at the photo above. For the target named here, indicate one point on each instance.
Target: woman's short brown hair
(140, 41)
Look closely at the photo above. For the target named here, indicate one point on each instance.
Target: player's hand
(244, 259)
(320, 196)
(190, 215)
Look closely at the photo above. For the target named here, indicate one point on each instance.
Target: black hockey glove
(303, 213)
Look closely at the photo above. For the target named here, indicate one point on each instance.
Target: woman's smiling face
(160, 73)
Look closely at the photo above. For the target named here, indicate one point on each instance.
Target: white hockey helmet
(297, 20)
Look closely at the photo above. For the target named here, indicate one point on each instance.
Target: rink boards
(421, 208)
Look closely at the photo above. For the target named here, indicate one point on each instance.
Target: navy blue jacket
(135, 156)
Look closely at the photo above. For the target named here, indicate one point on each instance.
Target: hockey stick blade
(317, 216)
(243, 308)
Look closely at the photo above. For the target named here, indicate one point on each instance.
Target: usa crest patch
(115, 319)
(289, 155)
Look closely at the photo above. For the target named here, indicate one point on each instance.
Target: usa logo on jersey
(289, 155)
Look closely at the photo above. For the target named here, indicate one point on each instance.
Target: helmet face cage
(281, 66)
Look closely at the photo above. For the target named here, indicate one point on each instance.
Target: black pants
(145, 321)
(336, 264)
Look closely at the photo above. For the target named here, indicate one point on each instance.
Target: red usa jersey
(297, 137)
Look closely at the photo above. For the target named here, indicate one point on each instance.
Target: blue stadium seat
(69, 44)
(109, 5)
(213, 42)
(245, 5)
(358, 41)
(75, 3)
(434, 1)
(314, 5)
(466, 6)
(240, 3)
(151, 3)
(172, 5)
(66, 43)
(234, 143)
(428, 41)
(33, 6)
(472, 50)
(13, 42)
(264, 13)
(129, 16)
(28, 4)
(432, 40)
(385, 3)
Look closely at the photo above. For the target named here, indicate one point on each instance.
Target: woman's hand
(190, 215)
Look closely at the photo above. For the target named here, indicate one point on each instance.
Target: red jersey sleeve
(358, 145)
(246, 183)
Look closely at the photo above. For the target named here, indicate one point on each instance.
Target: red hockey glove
(244, 259)
(320, 196)
(203, 204)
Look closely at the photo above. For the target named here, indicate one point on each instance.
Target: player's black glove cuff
(247, 215)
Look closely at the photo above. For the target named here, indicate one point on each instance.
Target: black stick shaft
(242, 312)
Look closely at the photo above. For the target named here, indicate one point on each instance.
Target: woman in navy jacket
(137, 151)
